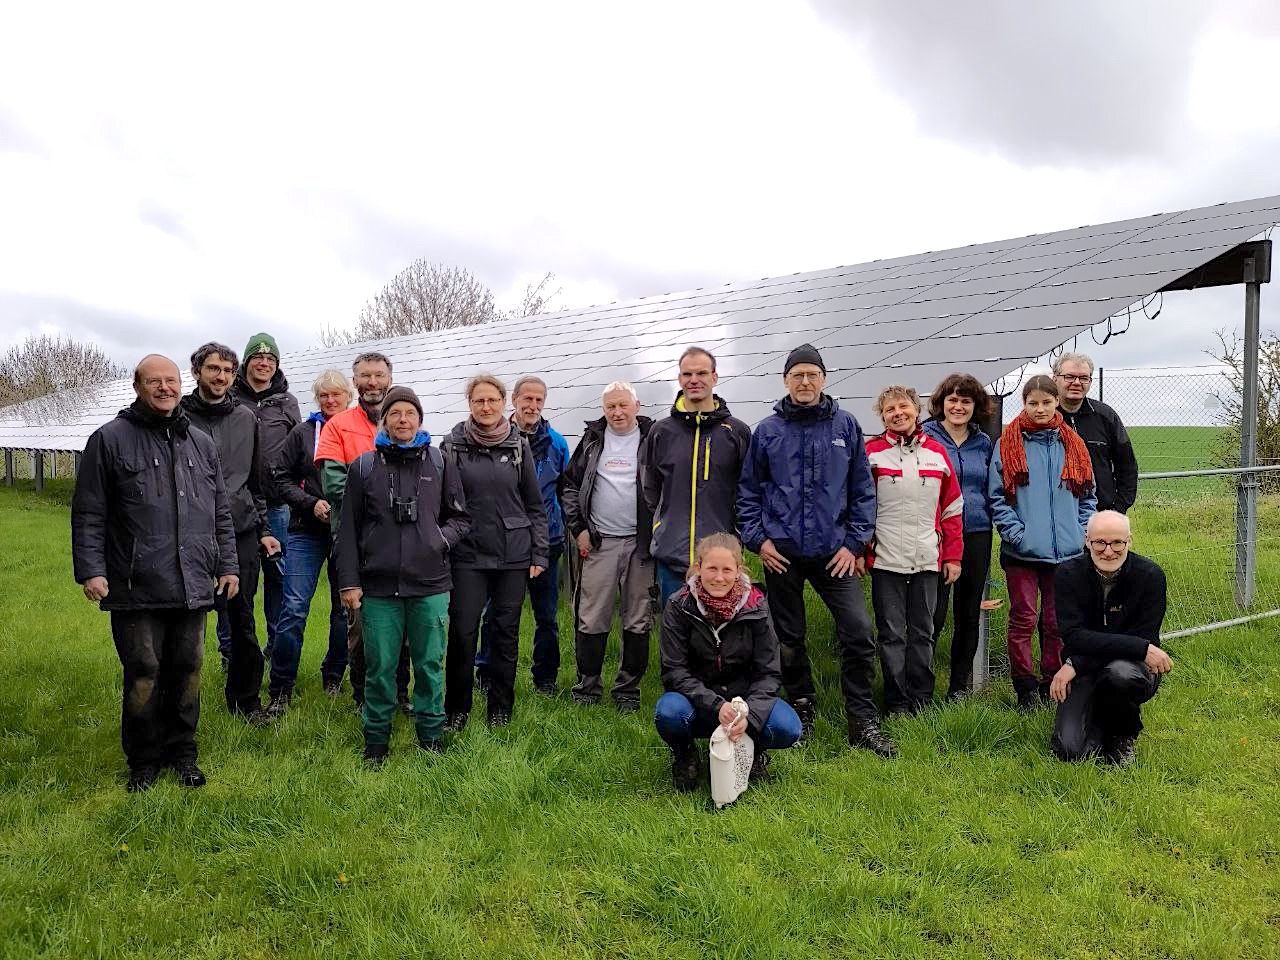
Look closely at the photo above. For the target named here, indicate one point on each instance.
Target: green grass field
(561, 837)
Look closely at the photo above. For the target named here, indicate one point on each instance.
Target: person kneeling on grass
(402, 512)
(1111, 604)
(718, 643)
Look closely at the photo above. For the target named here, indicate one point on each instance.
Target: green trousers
(388, 622)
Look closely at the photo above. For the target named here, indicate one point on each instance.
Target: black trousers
(966, 611)
(245, 663)
(904, 633)
(356, 662)
(1103, 706)
(848, 606)
(161, 652)
(503, 592)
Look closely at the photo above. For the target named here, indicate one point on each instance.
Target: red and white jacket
(919, 504)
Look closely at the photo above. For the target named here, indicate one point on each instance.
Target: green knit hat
(261, 343)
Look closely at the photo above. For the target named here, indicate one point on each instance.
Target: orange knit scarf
(1077, 469)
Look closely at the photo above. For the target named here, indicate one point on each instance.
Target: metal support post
(37, 469)
(982, 656)
(1099, 384)
(53, 466)
(8, 468)
(75, 463)
(1247, 488)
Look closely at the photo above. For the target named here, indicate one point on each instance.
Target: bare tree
(420, 298)
(43, 365)
(536, 299)
(1230, 353)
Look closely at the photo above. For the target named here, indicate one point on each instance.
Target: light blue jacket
(1047, 522)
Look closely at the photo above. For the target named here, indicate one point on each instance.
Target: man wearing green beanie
(261, 386)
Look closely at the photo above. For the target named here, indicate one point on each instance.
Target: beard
(371, 398)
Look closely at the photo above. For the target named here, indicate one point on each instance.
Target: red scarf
(720, 610)
(1077, 469)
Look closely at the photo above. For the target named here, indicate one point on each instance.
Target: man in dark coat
(234, 429)
(1111, 604)
(262, 387)
(151, 531)
(1115, 467)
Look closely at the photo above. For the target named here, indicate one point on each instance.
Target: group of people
(183, 502)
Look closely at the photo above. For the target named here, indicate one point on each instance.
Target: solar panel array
(986, 309)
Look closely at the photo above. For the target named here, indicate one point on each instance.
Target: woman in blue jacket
(957, 406)
(1041, 489)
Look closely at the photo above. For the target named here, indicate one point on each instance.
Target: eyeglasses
(1116, 545)
(1076, 377)
(805, 377)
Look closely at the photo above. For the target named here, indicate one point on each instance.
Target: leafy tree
(1230, 353)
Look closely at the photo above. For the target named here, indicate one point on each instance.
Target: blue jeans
(678, 723)
(307, 553)
(670, 580)
(273, 575)
(544, 598)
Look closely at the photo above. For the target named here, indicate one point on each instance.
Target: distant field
(1174, 448)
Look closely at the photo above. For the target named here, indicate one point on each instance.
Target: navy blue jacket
(551, 459)
(806, 483)
(971, 461)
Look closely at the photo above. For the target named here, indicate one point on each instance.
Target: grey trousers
(613, 572)
(904, 605)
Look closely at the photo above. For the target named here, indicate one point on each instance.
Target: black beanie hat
(805, 353)
(399, 395)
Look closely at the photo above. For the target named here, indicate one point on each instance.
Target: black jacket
(710, 669)
(234, 430)
(1093, 632)
(277, 412)
(389, 559)
(692, 462)
(579, 483)
(508, 520)
(1115, 468)
(150, 513)
(296, 480)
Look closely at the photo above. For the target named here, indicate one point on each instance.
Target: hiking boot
(1120, 752)
(584, 699)
(546, 688)
(257, 717)
(278, 706)
(627, 705)
(142, 778)
(375, 754)
(759, 768)
(431, 746)
(189, 775)
(867, 735)
(455, 722)
(1028, 700)
(685, 767)
(333, 689)
(498, 718)
(804, 709)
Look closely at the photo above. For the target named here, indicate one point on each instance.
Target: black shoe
(685, 767)
(431, 746)
(279, 704)
(1120, 752)
(333, 689)
(257, 717)
(498, 718)
(627, 705)
(804, 709)
(868, 735)
(375, 754)
(1028, 700)
(455, 722)
(142, 778)
(546, 688)
(759, 768)
(584, 699)
(189, 775)
(956, 696)
(1043, 689)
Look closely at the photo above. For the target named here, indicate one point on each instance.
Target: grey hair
(622, 385)
(528, 382)
(331, 380)
(490, 379)
(372, 356)
(1084, 358)
(896, 390)
(1111, 515)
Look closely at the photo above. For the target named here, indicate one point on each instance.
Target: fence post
(37, 469)
(981, 675)
(8, 467)
(1247, 489)
(1099, 384)
(75, 463)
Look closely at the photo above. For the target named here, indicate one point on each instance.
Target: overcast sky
(168, 178)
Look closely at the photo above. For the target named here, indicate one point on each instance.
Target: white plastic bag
(730, 762)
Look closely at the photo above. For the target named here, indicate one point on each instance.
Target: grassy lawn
(561, 837)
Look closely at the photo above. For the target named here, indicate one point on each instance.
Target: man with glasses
(807, 506)
(1115, 468)
(1111, 603)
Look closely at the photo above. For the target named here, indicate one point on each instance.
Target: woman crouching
(718, 643)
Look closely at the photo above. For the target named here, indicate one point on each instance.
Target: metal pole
(75, 463)
(53, 466)
(8, 468)
(37, 469)
(982, 656)
(1247, 489)
(1099, 384)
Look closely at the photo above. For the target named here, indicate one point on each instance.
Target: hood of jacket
(420, 441)
(692, 418)
(279, 384)
(198, 405)
(139, 413)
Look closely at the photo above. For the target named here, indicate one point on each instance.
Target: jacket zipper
(693, 485)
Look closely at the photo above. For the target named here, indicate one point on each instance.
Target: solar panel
(986, 309)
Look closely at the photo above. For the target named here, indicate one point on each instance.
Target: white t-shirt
(613, 503)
